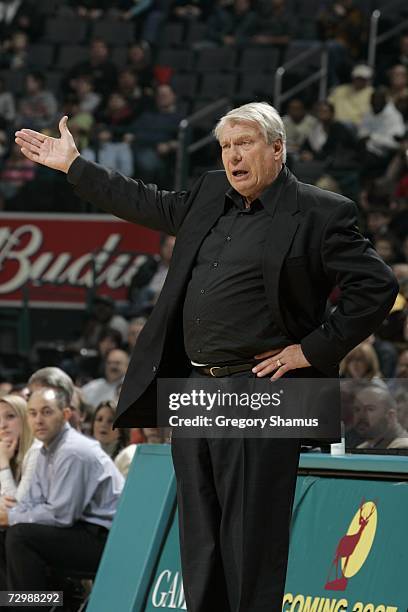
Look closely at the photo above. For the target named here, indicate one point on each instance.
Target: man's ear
(67, 412)
(278, 148)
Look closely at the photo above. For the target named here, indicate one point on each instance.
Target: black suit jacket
(314, 244)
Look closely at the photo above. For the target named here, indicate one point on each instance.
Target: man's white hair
(263, 114)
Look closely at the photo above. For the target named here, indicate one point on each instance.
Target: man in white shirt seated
(104, 389)
(65, 517)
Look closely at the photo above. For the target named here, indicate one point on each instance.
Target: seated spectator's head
(361, 363)
(5, 387)
(387, 248)
(83, 86)
(400, 271)
(401, 398)
(14, 429)
(127, 81)
(48, 411)
(403, 44)
(375, 411)
(103, 308)
(116, 364)
(242, 6)
(78, 409)
(116, 102)
(52, 378)
(19, 42)
(378, 100)
(135, 327)
(138, 55)
(325, 112)
(361, 76)
(402, 365)
(398, 77)
(108, 340)
(102, 429)
(378, 220)
(165, 98)
(98, 51)
(296, 110)
(35, 82)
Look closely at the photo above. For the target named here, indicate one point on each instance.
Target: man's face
(45, 418)
(371, 415)
(250, 163)
(296, 110)
(116, 365)
(402, 367)
(99, 51)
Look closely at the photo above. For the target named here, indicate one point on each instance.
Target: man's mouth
(239, 173)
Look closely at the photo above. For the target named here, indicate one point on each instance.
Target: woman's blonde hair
(365, 351)
(19, 405)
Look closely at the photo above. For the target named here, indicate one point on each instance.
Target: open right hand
(56, 153)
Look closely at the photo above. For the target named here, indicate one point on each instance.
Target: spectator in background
(402, 365)
(187, 10)
(361, 363)
(89, 9)
(64, 519)
(18, 458)
(18, 15)
(88, 98)
(111, 440)
(375, 418)
(101, 317)
(147, 283)
(115, 155)
(90, 363)
(298, 125)
(139, 61)
(17, 171)
(351, 101)
(17, 56)
(330, 141)
(131, 9)
(274, 25)
(117, 113)
(104, 389)
(38, 106)
(132, 91)
(154, 134)
(52, 378)
(378, 131)
(80, 121)
(7, 105)
(231, 25)
(343, 26)
(401, 399)
(135, 327)
(98, 67)
(79, 410)
(401, 57)
(386, 247)
(397, 83)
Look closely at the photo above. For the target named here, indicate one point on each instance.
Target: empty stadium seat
(258, 59)
(178, 59)
(65, 31)
(41, 56)
(216, 59)
(114, 32)
(69, 55)
(217, 84)
(185, 85)
(172, 35)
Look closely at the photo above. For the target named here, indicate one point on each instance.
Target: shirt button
(228, 238)
(154, 368)
(202, 290)
(197, 319)
(215, 264)
(198, 350)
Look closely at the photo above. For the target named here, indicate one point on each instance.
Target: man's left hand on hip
(290, 358)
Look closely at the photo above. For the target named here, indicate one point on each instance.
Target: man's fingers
(63, 128)
(34, 148)
(33, 156)
(281, 371)
(31, 134)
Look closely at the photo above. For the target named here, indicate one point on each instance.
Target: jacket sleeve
(368, 290)
(130, 199)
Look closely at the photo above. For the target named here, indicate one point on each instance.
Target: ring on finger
(279, 363)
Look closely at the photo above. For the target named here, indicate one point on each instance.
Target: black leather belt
(218, 371)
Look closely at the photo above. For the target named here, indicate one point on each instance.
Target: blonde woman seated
(18, 450)
(361, 363)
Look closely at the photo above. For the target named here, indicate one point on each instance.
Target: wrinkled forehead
(237, 128)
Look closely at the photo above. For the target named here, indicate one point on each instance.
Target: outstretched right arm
(123, 197)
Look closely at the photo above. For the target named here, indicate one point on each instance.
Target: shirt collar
(52, 447)
(268, 197)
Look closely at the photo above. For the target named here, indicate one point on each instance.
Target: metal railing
(320, 75)
(186, 148)
(374, 39)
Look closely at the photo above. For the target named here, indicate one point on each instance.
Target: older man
(256, 256)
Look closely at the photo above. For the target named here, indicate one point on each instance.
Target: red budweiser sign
(58, 257)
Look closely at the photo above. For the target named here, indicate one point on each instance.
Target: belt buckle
(214, 368)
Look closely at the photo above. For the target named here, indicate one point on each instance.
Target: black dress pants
(31, 549)
(235, 499)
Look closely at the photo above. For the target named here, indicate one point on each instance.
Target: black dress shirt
(226, 315)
